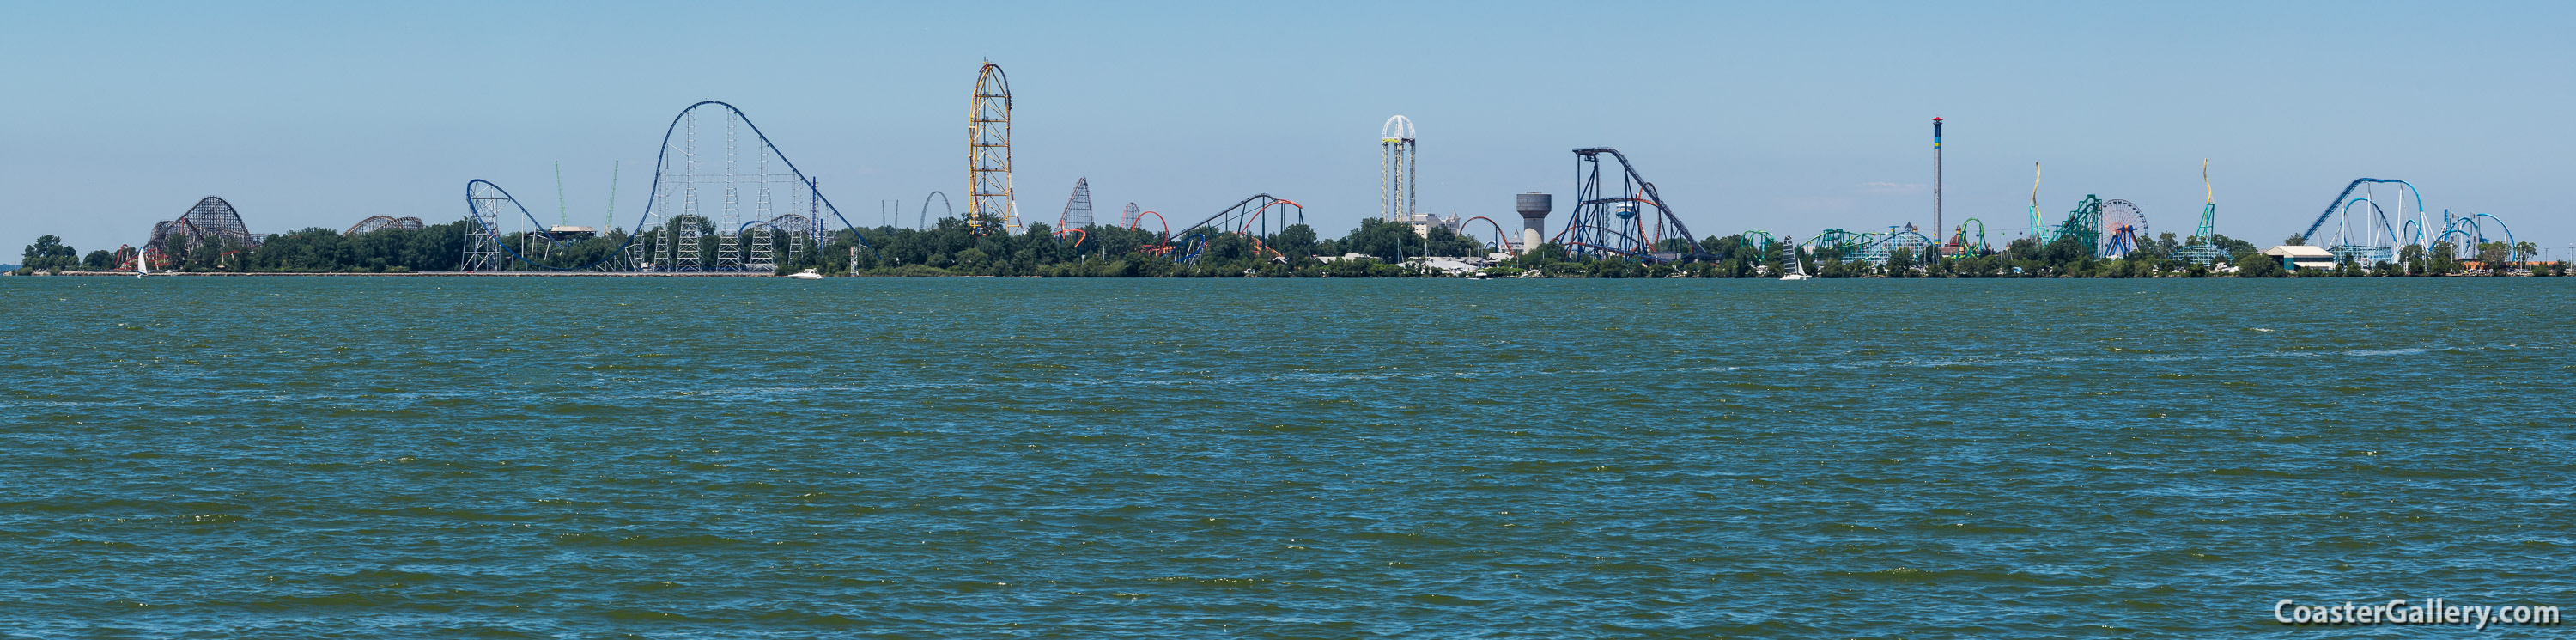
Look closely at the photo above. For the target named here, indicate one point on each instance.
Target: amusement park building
(2300, 256)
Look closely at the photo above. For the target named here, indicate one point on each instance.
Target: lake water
(768, 458)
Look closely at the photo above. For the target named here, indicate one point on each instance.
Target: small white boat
(807, 274)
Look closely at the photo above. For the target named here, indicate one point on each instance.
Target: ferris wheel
(2124, 225)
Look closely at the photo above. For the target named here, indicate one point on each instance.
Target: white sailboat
(1796, 271)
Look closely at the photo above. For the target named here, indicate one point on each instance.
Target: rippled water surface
(585, 457)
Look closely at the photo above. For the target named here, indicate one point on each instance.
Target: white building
(2300, 256)
(1423, 222)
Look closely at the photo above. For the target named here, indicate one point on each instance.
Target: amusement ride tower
(1395, 170)
(2037, 232)
(989, 207)
(1936, 187)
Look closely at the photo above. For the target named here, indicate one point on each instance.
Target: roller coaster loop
(1502, 241)
(1961, 243)
(662, 161)
(2377, 251)
(1158, 219)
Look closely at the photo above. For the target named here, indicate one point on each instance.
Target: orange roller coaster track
(1502, 239)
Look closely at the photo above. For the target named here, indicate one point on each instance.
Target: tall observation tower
(1395, 171)
(1937, 229)
(989, 206)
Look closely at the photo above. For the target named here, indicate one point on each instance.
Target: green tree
(2495, 256)
(2232, 246)
(1900, 263)
(2258, 265)
(1389, 242)
(1297, 241)
(1446, 243)
(49, 252)
(2444, 259)
(2065, 252)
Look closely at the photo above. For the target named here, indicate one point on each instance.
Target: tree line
(1373, 249)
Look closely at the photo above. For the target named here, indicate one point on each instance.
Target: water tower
(1533, 207)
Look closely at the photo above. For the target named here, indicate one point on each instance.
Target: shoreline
(607, 274)
(420, 274)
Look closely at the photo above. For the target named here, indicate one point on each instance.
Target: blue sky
(1789, 117)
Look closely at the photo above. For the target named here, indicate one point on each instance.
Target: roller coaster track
(1610, 223)
(1243, 222)
(486, 208)
(1846, 245)
(211, 217)
(1878, 250)
(1162, 244)
(661, 167)
(2084, 223)
(1502, 240)
(1243, 213)
(2310, 236)
(1138, 223)
(1960, 242)
(1767, 240)
(2468, 228)
(374, 223)
(1235, 219)
(1863, 246)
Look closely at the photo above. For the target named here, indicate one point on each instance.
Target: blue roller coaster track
(1616, 224)
(660, 166)
(2310, 236)
(487, 228)
(2473, 233)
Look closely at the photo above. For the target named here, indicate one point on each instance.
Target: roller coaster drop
(675, 242)
(2375, 239)
(1611, 224)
